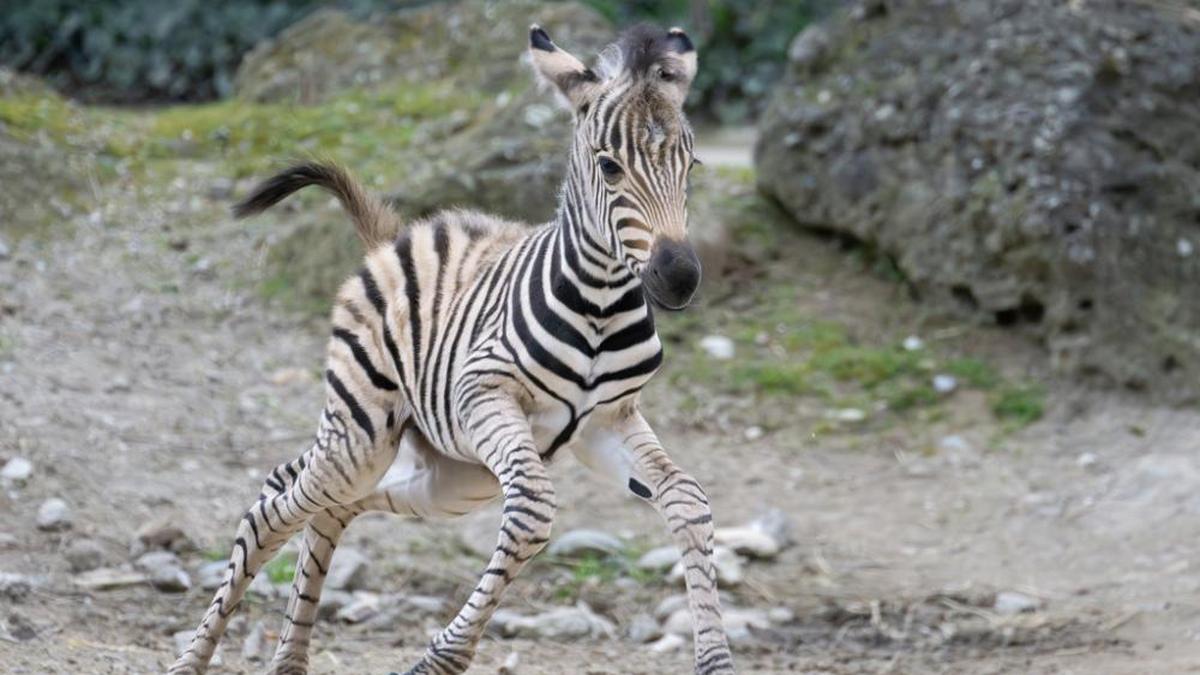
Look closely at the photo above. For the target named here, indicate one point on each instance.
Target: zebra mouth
(672, 275)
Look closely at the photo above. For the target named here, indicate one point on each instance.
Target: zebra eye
(609, 168)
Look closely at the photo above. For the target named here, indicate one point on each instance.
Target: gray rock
(398, 610)
(670, 605)
(1011, 602)
(211, 575)
(748, 540)
(643, 628)
(1036, 192)
(809, 46)
(729, 567)
(364, 606)
(332, 601)
(84, 554)
(15, 587)
(17, 470)
(160, 534)
(164, 571)
(562, 623)
(578, 542)
(54, 515)
(263, 587)
(661, 558)
(348, 570)
(20, 628)
(106, 578)
(668, 644)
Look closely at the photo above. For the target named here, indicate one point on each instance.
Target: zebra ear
(677, 69)
(574, 81)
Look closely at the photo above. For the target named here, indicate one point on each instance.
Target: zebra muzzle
(673, 274)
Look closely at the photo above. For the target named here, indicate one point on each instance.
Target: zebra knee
(685, 505)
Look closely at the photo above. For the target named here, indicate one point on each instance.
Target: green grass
(1020, 404)
(282, 568)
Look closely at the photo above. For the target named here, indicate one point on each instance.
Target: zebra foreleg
(627, 452)
(502, 437)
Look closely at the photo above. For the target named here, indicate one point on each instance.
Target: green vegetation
(1019, 404)
(593, 569)
(282, 568)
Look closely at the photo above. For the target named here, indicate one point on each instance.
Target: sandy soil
(143, 382)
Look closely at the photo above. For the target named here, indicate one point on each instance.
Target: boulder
(1030, 161)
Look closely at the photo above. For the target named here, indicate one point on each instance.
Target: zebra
(470, 350)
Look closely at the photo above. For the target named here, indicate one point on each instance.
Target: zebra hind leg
(344, 464)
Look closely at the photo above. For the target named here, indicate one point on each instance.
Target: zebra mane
(639, 49)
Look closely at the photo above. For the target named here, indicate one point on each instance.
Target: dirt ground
(143, 383)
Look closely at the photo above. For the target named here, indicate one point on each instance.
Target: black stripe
(360, 416)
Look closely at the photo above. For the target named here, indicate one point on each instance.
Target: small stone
(847, 415)
(20, 628)
(105, 578)
(670, 605)
(220, 188)
(1185, 248)
(211, 575)
(365, 606)
(397, 610)
(509, 667)
(5, 251)
(256, 647)
(556, 624)
(777, 524)
(348, 571)
(781, 615)
(740, 623)
(913, 343)
(753, 433)
(160, 534)
(643, 628)
(17, 470)
(84, 555)
(944, 384)
(809, 46)
(7, 541)
(578, 542)
(15, 587)
(164, 571)
(718, 347)
(54, 516)
(661, 558)
(1010, 602)
(668, 643)
(1087, 460)
(747, 540)
(953, 443)
(680, 622)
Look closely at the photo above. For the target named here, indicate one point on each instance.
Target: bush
(143, 50)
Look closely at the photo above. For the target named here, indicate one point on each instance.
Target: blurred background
(941, 382)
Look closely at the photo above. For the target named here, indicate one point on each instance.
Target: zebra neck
(587, 279)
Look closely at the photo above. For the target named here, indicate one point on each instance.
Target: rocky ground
(898, 504)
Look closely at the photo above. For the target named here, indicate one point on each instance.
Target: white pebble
(753, 433)
(54, 514)
(847, 415)
(913, 343)
(1185, 248)
(17, 470)
(1011, 602)
(1087, 460)
(717, 346)
(668, 643)
(944, 384)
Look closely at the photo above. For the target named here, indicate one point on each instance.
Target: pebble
(397, 610)
(776, 523)
(509, 667)
(670, 605)
(348, 571)
(753, 433)
(847, 415)
(740, 623)
(105, 578)
(164, 571)
(1010, 602)
(220, 188)
(577, 542)
(953, 443)
(668, 643)
(1087, 460)
(747, 540)
(84, 555)
(718, 347)
(20, 628)
(262, 586)
(661, 558)
(364, 606)
(781, 615)
(7, 541)
(913, 343)
(643, 628)
(17, 470)
(5, 251)
(556, 624)
(14, 587)
(256, 647)
(54, 515)
(160, 534)
(944, 384)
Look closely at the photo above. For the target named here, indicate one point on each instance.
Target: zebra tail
(375, 223)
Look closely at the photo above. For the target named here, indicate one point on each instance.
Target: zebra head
(632, 151)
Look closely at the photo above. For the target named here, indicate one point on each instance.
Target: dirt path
(142, 382)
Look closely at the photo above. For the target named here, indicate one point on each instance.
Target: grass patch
(282, 568)
(1020, 404)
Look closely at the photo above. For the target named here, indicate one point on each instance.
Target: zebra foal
(470, 350)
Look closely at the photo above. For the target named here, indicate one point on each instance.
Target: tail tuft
(375, 223)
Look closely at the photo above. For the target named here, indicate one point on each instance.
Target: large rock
(1035, 161)
(475, 44)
